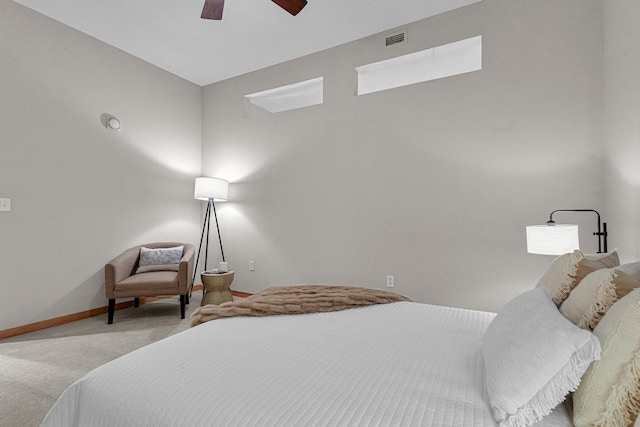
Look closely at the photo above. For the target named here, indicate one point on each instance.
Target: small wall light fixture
(113, 123)
(558, 239)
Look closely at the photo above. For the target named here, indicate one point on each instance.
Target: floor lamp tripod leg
(195, 269)
(206, 250)
(218, 228)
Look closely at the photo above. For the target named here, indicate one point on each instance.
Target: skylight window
(290, 97)
(451, 59)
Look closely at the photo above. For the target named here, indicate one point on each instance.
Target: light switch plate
(5, 205)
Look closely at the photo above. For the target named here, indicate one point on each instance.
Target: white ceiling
(253, 34)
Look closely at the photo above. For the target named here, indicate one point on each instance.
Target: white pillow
(533, 357)
(632, 269)
(160, 259)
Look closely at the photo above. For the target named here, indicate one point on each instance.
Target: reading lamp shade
(552, 239)
(211, 188)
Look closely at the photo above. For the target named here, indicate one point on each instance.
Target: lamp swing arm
(602, 230)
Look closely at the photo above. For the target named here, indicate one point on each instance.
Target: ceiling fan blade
(291, 6)
(212, 9)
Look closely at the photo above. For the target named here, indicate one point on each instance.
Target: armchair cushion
(153, 280)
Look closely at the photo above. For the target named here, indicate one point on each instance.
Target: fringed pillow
(566, 271)
(609, 394)
(533, 357)
(595, 294)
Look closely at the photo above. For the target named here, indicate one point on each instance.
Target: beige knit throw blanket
(296, 300)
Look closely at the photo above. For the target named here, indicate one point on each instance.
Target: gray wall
(81, 194)
(622, 123)
(432, 183)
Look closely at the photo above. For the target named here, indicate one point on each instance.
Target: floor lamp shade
(554, 239)
(211, 188)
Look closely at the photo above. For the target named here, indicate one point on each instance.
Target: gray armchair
(121, 280)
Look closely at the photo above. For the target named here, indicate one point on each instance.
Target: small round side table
(216, 287)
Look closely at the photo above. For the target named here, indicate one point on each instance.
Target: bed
(395, 364)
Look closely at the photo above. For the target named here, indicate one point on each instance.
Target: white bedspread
(399, 364)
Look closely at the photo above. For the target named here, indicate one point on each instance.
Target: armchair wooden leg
(136, 302)
(112, 309)
(182, 302)
(186, 298)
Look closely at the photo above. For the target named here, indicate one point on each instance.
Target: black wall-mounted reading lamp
(554, 239)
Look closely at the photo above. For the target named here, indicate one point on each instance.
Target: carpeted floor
(36, 368)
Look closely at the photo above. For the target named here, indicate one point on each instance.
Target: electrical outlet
(5, 205)
(252, 266)
(390, 282)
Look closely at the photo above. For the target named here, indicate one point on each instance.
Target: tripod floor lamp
(212, 190)
(557, 239)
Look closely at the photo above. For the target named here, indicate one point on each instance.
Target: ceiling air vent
(395, 38)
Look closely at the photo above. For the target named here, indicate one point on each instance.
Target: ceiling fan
(213, 8)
